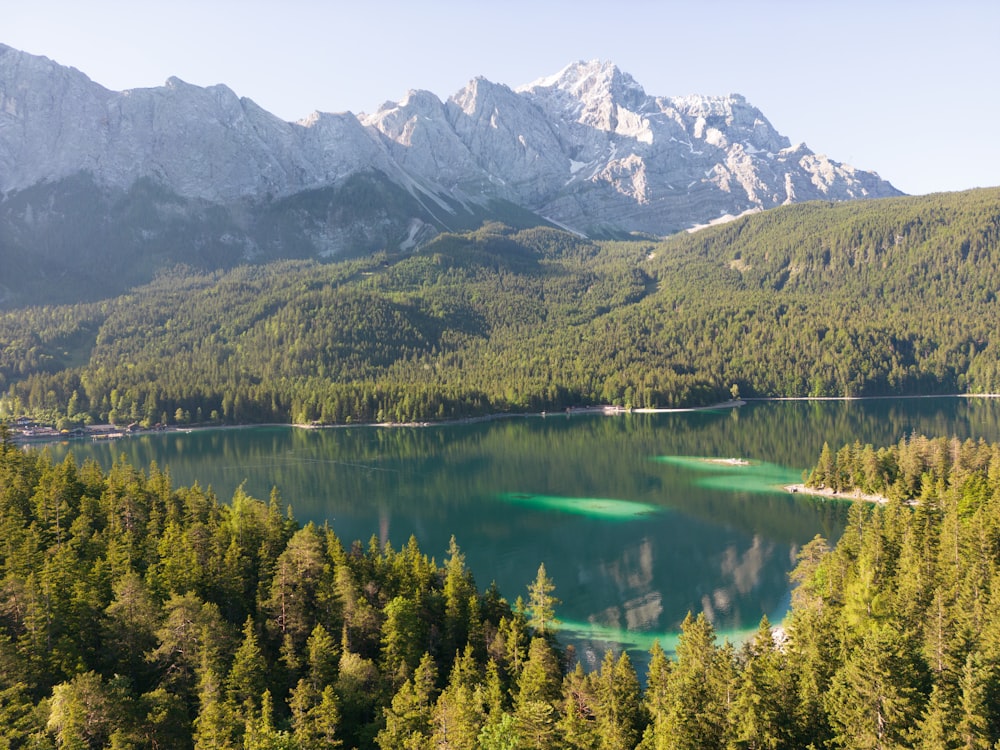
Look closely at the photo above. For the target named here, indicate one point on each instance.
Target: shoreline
(606, 410)
(831, 494)
(767, 399)
(111, 433)
(100, 432)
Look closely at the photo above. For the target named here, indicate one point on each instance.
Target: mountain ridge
(586, 149)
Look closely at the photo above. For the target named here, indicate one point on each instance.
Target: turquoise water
(606, 509)
(744, 476)
(636, 521)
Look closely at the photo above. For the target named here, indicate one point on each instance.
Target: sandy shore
(833, 494)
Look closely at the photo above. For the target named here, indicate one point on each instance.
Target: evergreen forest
(882, 297)
(134, 614)
(137, 614)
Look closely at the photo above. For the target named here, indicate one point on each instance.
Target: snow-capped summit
(595, 79)
(586, 148)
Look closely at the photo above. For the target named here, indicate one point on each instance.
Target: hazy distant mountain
(180, 173)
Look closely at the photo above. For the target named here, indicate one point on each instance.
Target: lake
(635, 527)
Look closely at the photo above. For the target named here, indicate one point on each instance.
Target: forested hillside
(895, 296)
(134, 614)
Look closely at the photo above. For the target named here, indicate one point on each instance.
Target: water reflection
(745, 569)
(632, 574)
(633, 544)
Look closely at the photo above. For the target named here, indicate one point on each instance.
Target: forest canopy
(886, 297)
(134, 614)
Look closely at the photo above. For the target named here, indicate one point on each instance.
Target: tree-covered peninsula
(894, 296)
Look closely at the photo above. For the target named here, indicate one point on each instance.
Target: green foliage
(408, 718)
(892, 640)
(874, 696)
(894, 296)
(130, 610)
(542, 604)
(618, 712)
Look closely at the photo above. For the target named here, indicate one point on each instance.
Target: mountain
(858, 298)
(144, 178)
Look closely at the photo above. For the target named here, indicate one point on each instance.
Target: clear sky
(907, 88)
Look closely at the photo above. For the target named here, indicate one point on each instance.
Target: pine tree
(873, 700)
(292, 603)
(619, 704)
(477, 629)
(458, 588)
(323, 658)
(192, 636)
(500, 734)
(972, 729)
(357, 689)
(936, 729)
(656, 699)
(538, 691)
(79, 714)
(458, 717)
(403, 639)
(825, 472)
(695, 714)
(492, 696)
(578, 724)
(408, 718)
(260, 732)
(19, 718)
(247, 677)
(763, 708)
(217, 726)
(542, 604)
(315, 717)
(361, 622)
(513, 640)
(130, 625)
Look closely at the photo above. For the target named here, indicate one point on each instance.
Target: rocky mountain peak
(595, 79)
(596, 94)
(725, 118)
(399, 119)
(586, 148)
(480, 94)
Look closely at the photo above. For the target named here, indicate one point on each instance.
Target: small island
(727, 461)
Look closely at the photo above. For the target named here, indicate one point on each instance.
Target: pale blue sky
(907, 88)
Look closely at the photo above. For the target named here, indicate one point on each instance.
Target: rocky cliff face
(586, 148)
(202, 143)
